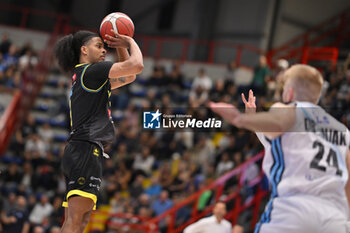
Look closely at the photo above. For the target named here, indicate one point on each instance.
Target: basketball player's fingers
(114, 32)
(244, 99)
(251, 94)
(111, 38)
(117, 44)
(117, 35)
(109, 43)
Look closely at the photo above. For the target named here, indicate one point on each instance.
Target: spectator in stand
(155, 188)
(9, 202)
(32, 201)
(162, 204)
(27, 177)
(230, 93)
(184, 139)
(143, 201)
(9, 77)
(165, 176)
(261, 76)
(29, 127)
(28, 60)
(124, 175)
(215, 223)
(180, 182)
(232, 146)
(174, 80)
(198, 97)
(224, 165)
(144, 161)
(231, 73)
(26, 47)
(12, 175)
(200, 89)
(136, 187)
(158, 76)
(46, 133)
(132, 117)
(218, 91)
(249, 174)
(5, 44)
(41, 210)
(205, 151)
(117, 203)
(57, 212)
(11, 58)
(237, 158)
(121, 153)
(16, 220)
(202, 80)
(36, 147)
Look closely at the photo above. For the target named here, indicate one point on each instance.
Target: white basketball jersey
(309, 159)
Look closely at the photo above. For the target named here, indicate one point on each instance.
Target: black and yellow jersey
(90, 108)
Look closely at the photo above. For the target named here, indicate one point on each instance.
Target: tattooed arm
(124, 71)
(123, 55)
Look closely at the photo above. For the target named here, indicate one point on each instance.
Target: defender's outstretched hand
(250, 106)
(119, 41)
(227, 111)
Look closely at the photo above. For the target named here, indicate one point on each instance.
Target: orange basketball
(119, 22)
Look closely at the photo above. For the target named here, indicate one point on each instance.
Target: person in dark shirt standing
(16, 220)
(261, 76)
(82, 54)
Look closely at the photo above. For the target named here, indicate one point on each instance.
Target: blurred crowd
(14, 60)
(149, 171)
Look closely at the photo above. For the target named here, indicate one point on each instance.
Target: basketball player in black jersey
(82, 54)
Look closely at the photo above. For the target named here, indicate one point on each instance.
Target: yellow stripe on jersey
(70, 113)
(88, 89)
(80, 64)
(77, 192)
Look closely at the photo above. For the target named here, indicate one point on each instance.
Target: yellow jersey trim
(77, 192)
(86, 88)
(80, 64)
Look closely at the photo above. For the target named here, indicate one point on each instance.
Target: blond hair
(306, 81)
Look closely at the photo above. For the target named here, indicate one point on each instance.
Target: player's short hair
(306, 81)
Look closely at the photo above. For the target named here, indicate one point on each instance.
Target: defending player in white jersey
(306, 157)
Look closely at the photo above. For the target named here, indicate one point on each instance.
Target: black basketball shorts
(82, 168)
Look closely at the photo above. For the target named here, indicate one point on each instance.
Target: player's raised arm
(124, 71)
(278, 120)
